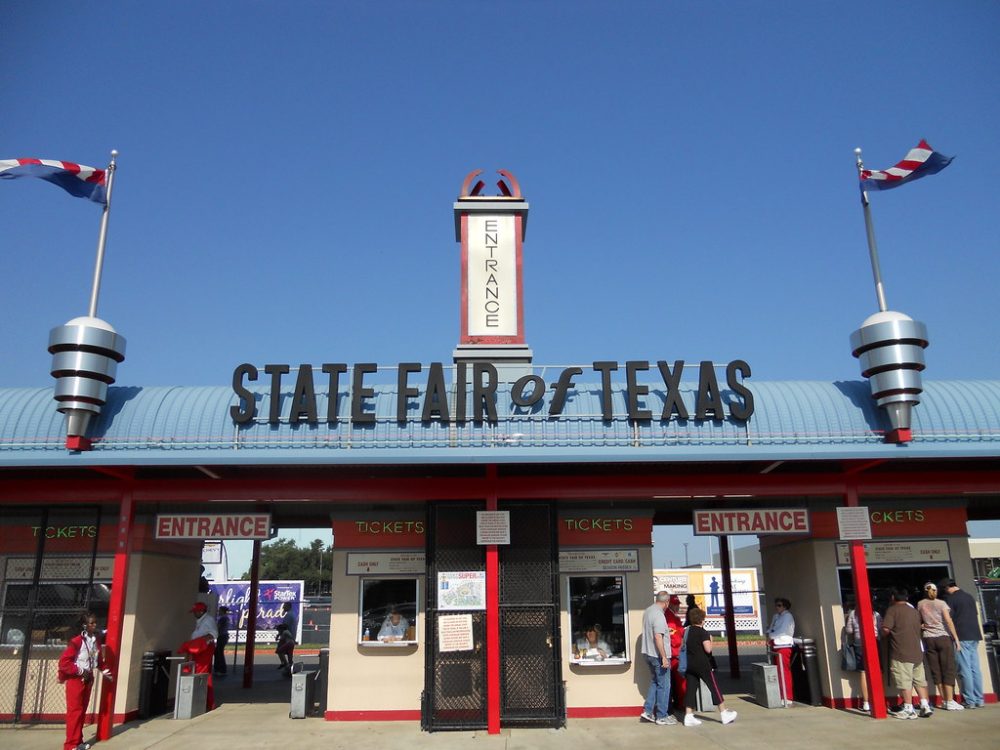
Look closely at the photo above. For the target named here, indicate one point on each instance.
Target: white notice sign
(455, 633)
(492, 276)
(360, 563)
(492, 527)
(599, 561)
(854, 523)
(888, 553)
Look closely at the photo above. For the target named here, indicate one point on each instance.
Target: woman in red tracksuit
(76, 671)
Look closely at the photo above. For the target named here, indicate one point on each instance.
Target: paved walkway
(259, 719)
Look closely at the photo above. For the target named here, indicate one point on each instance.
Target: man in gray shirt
(655, 648)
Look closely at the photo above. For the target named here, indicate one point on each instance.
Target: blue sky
(287, 172)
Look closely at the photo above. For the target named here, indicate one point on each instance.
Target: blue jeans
(969, 673)
(658, 695)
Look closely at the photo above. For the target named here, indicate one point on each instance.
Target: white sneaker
(866, 707)
(645, 716)
(954, 706)
(691, 721)
(728, 717)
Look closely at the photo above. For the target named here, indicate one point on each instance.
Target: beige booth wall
(157, 616)
(614, 686)
(371, 678)
(794, 571)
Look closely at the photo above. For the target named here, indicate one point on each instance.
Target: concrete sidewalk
(258, 718)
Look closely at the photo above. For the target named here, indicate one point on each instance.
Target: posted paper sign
(464, 589)
(455, 633)
(854, 523)
(492, 527)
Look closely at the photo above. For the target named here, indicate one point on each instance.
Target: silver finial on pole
(102, 238)
(872, 245)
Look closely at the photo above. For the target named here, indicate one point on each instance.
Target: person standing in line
(201, 647)
(714, 588)
(675, 629)
(286, 638)
(77, 663)
(780, 637)
(701, 668)
(690, 602)
(906, 656)
(655, 648)
(222, 624)
(940, 643)
(965, 617)
(852, 630)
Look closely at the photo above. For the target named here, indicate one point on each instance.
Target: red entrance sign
(213, 526)
(757, 521)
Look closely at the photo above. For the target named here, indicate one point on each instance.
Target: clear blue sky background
(287, 172)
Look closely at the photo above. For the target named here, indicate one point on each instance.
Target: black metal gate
(531, 691)
(455, 681)
(47, 582)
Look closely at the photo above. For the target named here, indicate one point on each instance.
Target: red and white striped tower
(491, 230)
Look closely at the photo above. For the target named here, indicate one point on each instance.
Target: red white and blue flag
(920, 162)
(75, 179)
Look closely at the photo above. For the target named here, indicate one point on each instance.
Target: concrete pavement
(259, 719)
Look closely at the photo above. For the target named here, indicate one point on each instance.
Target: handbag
(682, 657)
(849, 660)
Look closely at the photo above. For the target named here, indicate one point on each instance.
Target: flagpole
(872, 245)
(102, 238)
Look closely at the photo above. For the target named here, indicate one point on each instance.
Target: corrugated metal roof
(792, 420)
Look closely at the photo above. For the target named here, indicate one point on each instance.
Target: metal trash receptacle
(303, 695)
(322, 681)
(192, 696)
(805, 672)
(154, 683)
(766, 691)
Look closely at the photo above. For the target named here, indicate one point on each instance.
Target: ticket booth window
(597, 620)
(388, 612)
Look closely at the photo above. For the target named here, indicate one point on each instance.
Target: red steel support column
(116, 614)
(252, 611)
(866, 618)
(492, 617)
(729, 611)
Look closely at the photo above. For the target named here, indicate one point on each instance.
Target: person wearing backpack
(697, 663)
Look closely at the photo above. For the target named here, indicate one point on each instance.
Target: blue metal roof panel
(792, 420)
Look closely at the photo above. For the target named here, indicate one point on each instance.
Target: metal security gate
(455, 681)
(47, 581)
(531, 691)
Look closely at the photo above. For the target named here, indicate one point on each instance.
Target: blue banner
(270, 596)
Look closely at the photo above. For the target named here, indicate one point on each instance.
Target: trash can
(154, 682)
(192, 695)
(322, 681)
(303, 694)
(993, 659)
(766, 691)
(805, 672)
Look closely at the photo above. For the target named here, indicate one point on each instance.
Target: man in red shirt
(675, 628)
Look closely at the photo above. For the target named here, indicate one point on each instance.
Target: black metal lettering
(359, 393)
(246, 408)
(537, 391)
(334, 371)
(484, 395)
(436, 398)
(303, 397)
(606, 368)
(563, 385)
(672, 395)
(709, 399)
(634, 391)
(403, 391)
(275, 371)
(744, 408)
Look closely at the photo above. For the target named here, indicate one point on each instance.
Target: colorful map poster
(462, 590)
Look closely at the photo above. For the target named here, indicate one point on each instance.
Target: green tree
(283, 560)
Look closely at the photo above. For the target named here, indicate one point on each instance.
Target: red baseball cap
(199, 607)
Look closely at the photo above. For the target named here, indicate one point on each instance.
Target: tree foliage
(283, 560)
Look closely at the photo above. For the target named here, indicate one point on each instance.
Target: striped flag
(75, 179)
(920, 162)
